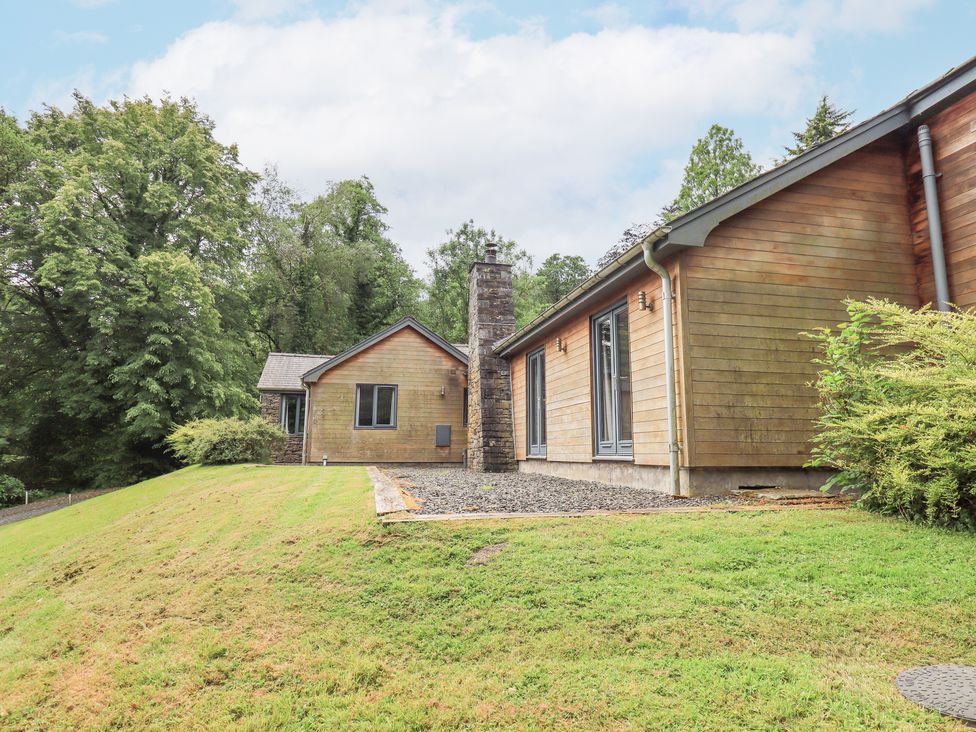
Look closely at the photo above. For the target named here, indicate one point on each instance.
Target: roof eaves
(593, 287)
(692, 228)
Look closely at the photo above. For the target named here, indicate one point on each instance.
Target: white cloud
(266, 9)
(546, 140)
(90, 4)
(80, 37)
(609, 15)
(810, 16)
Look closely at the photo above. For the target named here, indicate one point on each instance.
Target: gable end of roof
(408, 322)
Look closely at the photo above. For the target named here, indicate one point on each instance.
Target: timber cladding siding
(420, 370)
(783, 266)
(569, 378)
(954, 143)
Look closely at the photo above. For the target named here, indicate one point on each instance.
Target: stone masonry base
(694, 481)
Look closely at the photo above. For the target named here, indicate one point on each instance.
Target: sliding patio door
(612, 383)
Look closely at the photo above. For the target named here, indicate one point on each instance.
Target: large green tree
(718, 163)
(559, 274)
(827, 122)
(123, 303)
(446, 307)
(326, 273)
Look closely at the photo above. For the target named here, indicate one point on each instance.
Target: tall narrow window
(376, 406)
(464, 408)
(535, 395)
(293, 413)
(612, 383)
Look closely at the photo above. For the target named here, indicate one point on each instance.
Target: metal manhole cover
(950, 690)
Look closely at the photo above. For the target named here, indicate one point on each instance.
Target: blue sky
(557, 123)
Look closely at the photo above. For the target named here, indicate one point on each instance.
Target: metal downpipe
(935, 220)
(667, 298)
(308, 408)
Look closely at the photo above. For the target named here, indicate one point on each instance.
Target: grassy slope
(267, 597)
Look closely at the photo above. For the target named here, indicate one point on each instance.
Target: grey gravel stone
(456, 490)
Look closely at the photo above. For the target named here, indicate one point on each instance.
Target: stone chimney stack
(491, 317)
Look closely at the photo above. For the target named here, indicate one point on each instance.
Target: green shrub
(898, 410)
(11, 490)
(226, 441)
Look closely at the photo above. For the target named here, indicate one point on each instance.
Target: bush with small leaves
(11, 490)
(226, 441)
(898, 410)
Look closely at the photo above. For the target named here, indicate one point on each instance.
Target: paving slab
(386, 493)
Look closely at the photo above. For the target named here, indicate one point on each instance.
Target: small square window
(376, 406)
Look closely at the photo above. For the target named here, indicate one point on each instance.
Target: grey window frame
(394, 415)
(299, 413)
(615, 446)
(535, 402)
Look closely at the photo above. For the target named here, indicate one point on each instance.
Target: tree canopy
(446, 308)
(125, 230)
(827, 122)
(325, 273)
(718, 163)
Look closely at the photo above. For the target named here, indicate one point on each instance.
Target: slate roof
(283, 371)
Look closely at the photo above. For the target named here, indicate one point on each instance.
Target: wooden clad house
(749, 272)
(397, 397)
(594, 388)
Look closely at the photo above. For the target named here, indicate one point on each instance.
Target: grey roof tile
(283, 371)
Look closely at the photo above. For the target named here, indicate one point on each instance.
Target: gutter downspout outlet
(935, 220)
(667, 298)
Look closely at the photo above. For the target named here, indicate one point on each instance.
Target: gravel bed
(456, 490)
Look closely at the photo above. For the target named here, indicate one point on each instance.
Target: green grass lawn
(269, 598)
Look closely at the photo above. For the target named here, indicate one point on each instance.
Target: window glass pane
(464, 408)
(293, 413)
(384, 405)
(624, 419)
(531, 400)
(604, 380)
(364, 418)
(542, 399)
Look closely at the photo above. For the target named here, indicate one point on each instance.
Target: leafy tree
(446, 307)
(718, 163)
(558, 275)
(326, 274)
(827, 122)
(631, 237)
(123, 303)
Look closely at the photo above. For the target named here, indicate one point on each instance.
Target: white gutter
(667, 298)
(308, 409)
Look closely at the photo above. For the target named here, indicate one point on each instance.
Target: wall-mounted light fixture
(443, 392)
(642, 302)
(560, 345)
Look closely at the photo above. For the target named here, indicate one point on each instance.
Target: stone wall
(291, 453)
(491, 317)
